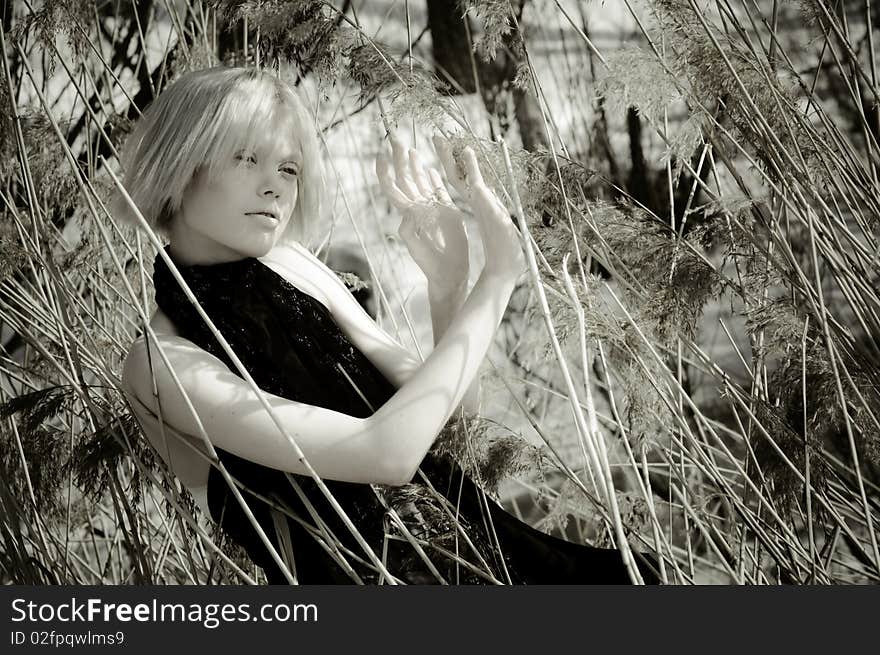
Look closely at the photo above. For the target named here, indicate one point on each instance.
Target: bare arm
(423, 405)
(337, 446)
(394, 361)
(443, 309)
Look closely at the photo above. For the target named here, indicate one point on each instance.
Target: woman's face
(245, 210)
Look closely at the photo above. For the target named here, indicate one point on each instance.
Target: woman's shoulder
(302, 269)
(293, 255)
(181, 450)
(161, 324)
(162, 327)
(136, 359)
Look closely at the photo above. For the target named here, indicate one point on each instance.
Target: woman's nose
(269, 188)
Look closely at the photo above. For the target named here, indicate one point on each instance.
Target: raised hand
(501, 242)
(432, 227)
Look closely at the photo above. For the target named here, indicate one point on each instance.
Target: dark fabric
(292, 347)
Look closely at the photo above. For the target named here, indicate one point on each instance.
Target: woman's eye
(289, 170)
(248, 159)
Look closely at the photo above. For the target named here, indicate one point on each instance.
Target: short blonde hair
(197, 124)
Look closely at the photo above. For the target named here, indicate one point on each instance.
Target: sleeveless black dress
(292, 347)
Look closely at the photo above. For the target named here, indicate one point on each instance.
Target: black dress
(292, 347)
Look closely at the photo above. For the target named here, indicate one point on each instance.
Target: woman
(225, 164)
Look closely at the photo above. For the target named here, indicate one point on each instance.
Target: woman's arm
(294, 262)
(433, 230)
(423, 405)
(396, 363)
(444, 307)
(336, 445)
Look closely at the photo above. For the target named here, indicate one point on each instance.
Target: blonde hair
(197, 124)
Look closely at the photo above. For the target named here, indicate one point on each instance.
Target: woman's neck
(190, 249)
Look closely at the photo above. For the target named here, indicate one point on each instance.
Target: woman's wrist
(447, 293)
(445, 303)
(500, 275)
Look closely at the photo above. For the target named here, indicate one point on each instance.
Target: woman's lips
(264, 219)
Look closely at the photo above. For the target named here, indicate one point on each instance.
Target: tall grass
(690, 366)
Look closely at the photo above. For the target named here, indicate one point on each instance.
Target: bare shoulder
(335, 295)
(167, 374)
(157, 403)
(138, 363)
(303, 270)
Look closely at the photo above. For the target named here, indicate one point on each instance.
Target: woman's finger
(401, 169)
(385, 173)
(489, 209)
(445, 152)
(439, 188)
(492, 216)
(472, 168)
(418, 174)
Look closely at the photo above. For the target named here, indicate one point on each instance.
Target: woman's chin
(256, 247)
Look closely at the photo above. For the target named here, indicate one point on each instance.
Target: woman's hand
(432, 227)
(501, 242)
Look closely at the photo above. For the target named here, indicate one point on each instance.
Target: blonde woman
(225, 165)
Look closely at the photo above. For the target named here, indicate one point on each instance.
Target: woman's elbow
(400, 476)
(394, 470)
(398, 451)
